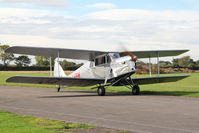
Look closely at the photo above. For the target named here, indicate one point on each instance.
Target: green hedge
(31, 68)
(194, 68)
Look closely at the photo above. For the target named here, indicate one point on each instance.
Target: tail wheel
(136, 90)
(101, 91)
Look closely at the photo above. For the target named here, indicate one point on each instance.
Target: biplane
(102, 69)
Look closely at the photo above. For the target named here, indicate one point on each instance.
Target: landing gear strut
(135, 90)
(58, 89)
(101, 91)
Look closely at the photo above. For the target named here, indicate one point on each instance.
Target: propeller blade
(133, 57)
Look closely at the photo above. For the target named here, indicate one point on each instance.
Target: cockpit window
(102, 60)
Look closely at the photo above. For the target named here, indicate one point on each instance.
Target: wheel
(101, 91)
(136, 90)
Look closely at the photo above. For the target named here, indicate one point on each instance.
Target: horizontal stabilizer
(67, 81)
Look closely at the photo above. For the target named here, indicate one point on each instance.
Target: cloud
(102, 5)
(133, 14)
(105, 30)
(45, 3)
(23, 16)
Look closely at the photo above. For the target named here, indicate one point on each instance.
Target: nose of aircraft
(132, 65)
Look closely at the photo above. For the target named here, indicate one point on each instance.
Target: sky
(102, 24)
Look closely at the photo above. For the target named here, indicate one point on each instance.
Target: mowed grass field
(186, 87)
(14, 123)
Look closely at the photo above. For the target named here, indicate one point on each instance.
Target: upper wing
(85, 54)
(154, 80)
(68, 81)
(156, 53)
(55, 52)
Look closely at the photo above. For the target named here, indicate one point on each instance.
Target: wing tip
(12, 49)
(186, 76)
(9, 50)
(185, 50)
(10, 79)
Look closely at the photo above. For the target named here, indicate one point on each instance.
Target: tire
(101, 91)
(136, 90)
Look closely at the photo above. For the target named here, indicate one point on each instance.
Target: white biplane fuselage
(106, 67)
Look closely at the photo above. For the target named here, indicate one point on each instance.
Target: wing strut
(158, 63)
(51, 66)
(150, 67)
(58, 63)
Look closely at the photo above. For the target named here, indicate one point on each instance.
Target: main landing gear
(101, 91)
(135, 90)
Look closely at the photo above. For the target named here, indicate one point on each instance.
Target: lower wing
(68, 81)
(153, 80)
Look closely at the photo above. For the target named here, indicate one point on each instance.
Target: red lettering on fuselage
(76, 75)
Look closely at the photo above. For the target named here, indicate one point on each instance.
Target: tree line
(184, 62)
(24, 61)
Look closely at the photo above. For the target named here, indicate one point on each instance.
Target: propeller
(133, 57)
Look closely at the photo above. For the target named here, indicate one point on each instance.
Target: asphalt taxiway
(145, 113)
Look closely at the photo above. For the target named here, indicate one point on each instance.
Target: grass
(187, 87)
(14, 123)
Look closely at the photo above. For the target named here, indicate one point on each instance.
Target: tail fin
(58, 70)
